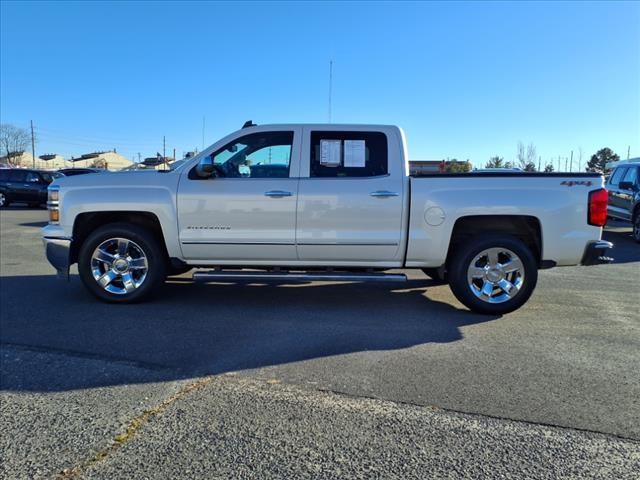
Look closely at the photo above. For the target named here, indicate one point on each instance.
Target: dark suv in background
(624, 195)
(25, 186)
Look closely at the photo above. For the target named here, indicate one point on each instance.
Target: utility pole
(203, 132)
(539, 162)
(33, 146)
(559, 166)
(579, 158)
(628, 151)
(164, 148)
(571, 164)
(174, 154)
(330, 86)
(565, 164)
(138, 157)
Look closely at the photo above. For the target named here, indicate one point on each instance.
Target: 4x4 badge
(571, 183)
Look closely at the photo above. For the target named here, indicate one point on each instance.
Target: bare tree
(531, 153)
(13, 142)
(520, 156)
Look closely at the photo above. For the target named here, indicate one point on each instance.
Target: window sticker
(354, 153)
(330, 153)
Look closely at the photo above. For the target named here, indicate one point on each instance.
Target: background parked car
(70, 172)
(24, 185)
(624, 195)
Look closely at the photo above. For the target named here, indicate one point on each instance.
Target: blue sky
(465, 80)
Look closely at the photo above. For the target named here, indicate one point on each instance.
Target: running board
(213, 275)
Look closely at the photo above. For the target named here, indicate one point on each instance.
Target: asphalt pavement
(316, 380)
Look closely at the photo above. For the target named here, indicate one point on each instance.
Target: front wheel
(636, 228)
(493, 275)
(122, 263)
(4, 200)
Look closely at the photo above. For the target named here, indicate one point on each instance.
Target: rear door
(247, 213)
(350, 198)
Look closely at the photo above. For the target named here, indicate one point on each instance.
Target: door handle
(384, 194)
(277, 194)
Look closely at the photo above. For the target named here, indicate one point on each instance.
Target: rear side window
(17, 176)
(617, 176)
(348, 154)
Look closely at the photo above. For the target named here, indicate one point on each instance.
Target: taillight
(598, 200)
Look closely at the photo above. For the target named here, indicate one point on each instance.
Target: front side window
(617, 176)
(348, 154)
(631, 175)
(49, 176)
(257, 155)
(33, 177)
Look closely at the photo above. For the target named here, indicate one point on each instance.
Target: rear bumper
(595, 253)
(58, 251)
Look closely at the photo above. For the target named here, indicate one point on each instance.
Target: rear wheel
(636, 227)
(122, 263)
(493, 275)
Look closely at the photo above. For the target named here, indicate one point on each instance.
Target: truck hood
(133, 178)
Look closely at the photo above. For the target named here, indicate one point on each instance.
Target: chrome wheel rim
(1, 199)
(495, 275)
(636, 228)
(119, 266)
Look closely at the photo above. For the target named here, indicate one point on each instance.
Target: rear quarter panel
(560, 208)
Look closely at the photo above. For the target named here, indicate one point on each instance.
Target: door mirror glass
(205, 168)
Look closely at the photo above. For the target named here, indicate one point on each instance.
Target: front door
(34, 187)
(616, 202)
(245, 213)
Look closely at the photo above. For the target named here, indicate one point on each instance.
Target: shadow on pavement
(625, 248)
(195, 329)
(34, 224)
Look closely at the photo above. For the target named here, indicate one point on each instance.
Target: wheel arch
(527, 228)
(87, 222)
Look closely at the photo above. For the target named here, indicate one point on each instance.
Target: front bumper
(595, 252)
(58, 251)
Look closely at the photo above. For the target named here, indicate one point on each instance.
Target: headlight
(53, 204)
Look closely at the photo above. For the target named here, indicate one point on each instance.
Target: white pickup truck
(323, 202)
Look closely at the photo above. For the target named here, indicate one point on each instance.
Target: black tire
(148, 245)
(636, 227)
(462, 260)
(437, 275)
(4, 200)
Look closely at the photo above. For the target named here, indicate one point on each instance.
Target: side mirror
(625, 186)
(205, 168)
